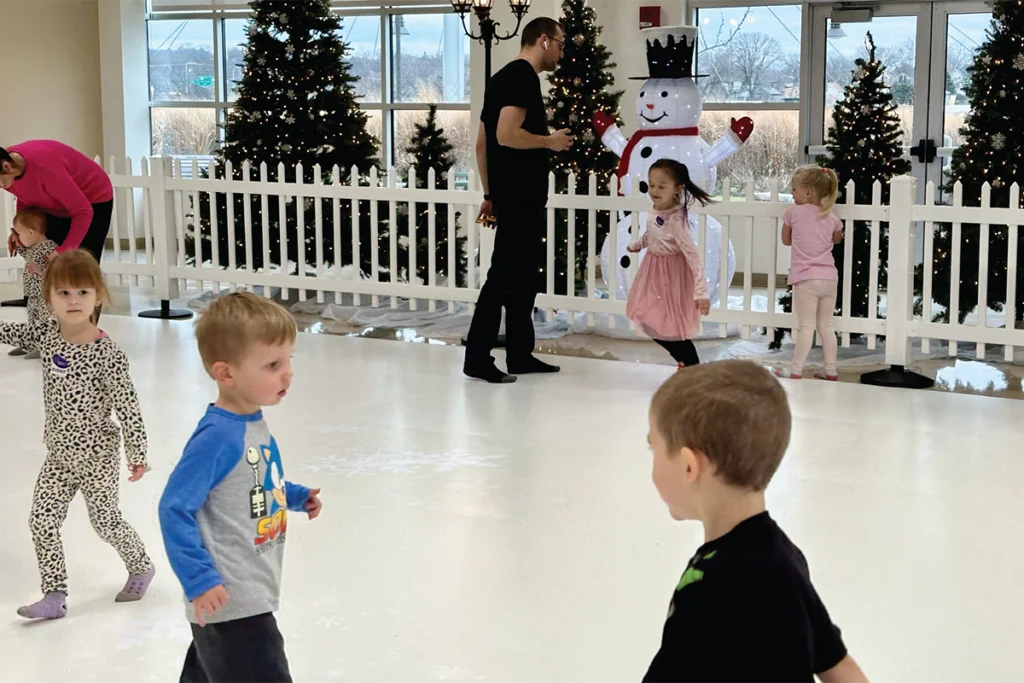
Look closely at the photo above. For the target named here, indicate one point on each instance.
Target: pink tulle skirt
(661, 299)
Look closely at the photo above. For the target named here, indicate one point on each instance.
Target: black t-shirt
(745, 610)
(519, 175)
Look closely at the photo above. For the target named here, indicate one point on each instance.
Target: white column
(454, 60)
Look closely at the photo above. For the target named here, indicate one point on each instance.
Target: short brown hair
(538, 28)
(75, 270)
(233, 323)
(32, 219)
(734, 412)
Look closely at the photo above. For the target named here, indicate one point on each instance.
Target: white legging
(813, 303)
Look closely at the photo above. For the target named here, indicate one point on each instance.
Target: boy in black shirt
(745, 608)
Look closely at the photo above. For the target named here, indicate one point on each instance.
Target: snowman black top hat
(670, 52)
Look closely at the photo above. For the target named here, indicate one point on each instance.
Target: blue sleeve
(209, 457)
(296, 496)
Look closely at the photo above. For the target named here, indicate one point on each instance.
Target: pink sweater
(812, 243)
(62, 182)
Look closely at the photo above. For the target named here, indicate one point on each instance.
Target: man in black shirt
(745, 608)
(512, 151)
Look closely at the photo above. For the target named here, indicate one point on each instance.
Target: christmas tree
(864, 145)
(296, 104)
(990, 153)
(579, 88)
(430, 149)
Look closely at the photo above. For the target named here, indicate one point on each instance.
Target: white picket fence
(155, 212)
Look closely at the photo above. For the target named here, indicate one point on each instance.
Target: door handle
(926, 151)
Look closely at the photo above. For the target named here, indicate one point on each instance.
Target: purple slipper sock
(52, 606)
(136, 586)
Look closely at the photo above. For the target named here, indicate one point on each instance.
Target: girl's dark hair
(681, 175)
(5, 156)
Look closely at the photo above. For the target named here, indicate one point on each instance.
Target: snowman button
(646, 152)
(643, 187)
(659, 220)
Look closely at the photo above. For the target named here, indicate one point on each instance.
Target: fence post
(165, 244)
(900, 291)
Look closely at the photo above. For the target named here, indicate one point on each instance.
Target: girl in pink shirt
(670, 293)
(811, 229)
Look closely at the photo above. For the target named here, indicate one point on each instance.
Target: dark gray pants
(249, 650)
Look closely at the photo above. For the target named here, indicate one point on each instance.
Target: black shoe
(530, 365)
(17, 352)
(488, 373)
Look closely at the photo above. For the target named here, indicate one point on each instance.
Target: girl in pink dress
(670, 294)
(811, 229)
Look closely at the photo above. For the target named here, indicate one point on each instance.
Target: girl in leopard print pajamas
(30, 226)
(85, 380)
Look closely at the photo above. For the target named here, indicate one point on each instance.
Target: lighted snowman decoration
(668, 110)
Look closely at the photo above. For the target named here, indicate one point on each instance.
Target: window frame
(387, 105)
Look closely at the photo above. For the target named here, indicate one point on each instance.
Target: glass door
(958, 30)
(926, 48)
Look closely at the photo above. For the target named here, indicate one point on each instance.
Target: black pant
(513, 282)
(682, 351)
(249, 650)
(95, 239)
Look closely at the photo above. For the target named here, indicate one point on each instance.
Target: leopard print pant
(64, 474)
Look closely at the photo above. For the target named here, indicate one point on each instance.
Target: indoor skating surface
(512, 533)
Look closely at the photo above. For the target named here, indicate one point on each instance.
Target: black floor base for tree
(167, 313)
(19, 303)
(897, 376)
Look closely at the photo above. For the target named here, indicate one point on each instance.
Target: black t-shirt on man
(745, 610)
(516, 175)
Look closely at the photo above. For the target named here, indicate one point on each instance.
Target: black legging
(683, 351)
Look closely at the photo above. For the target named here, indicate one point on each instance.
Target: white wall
(51, 76)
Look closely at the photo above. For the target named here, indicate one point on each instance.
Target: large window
(749, 60)
(404, 62)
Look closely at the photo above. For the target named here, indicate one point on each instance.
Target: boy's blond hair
(233, 323)
(734, 412)
(33, 219)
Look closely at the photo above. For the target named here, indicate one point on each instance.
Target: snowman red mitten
(743, 128)
(602, 122)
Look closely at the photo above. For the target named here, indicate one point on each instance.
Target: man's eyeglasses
(560, 41)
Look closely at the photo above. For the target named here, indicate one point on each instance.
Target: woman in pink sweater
(70, 188)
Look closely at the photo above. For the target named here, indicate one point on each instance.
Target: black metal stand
(15, 303)
(898, 377)
(167, 313)
(488, 37)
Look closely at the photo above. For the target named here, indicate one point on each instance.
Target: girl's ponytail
(829, 201)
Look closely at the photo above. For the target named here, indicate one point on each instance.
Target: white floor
(512, 533)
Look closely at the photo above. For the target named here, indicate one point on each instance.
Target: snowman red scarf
(655, 133)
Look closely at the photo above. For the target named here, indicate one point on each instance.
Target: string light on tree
(579, 87)
(991, 151)
(430, 149)
(296, 103)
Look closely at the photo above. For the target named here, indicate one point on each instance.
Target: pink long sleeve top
(667, 233)
(62, 182)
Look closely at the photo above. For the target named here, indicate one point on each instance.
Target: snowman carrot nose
(650, 106)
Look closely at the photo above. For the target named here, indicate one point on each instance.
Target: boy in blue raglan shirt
(224, 512)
